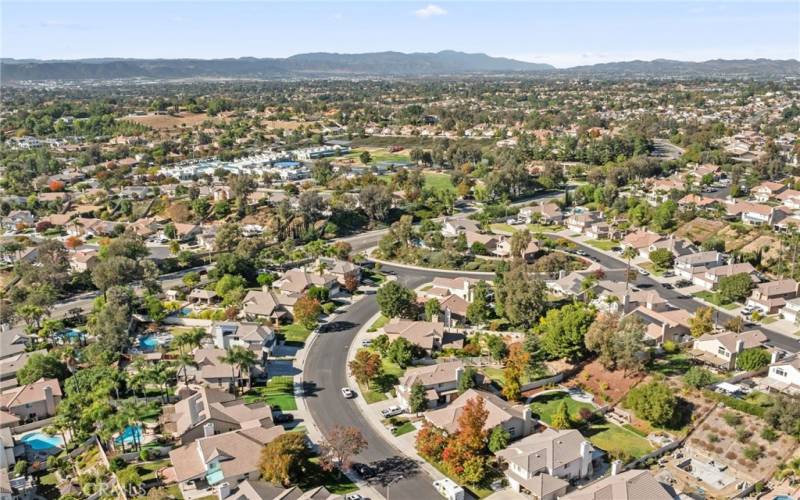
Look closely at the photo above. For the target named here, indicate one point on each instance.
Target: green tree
(702, 322)
(698, 377)
(522, 296)
(285, 460)
(735, 288)
(628, 253)
(431, 309)
(752, 359)
(467, 380)
(662, 258)
(654, 402)
(395, 300)
(417, 401)
(365, 157)
(41, 365)
(561, 418)
(498, 439)
(401, 351)
(563, 331)
(479, 311)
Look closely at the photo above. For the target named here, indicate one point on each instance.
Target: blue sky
(562, 33)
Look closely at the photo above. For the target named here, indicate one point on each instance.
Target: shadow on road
(393, 469)
(337, 326)
(310, 389)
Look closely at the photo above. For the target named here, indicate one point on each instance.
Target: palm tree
(131, 414)
(231, 357)
(628, 254)
(184, 361)
(247, 360)
(188, 340)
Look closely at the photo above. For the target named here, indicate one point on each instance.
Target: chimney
(208, 429)
(223, 491)
(586, 458)
(774, 358)
(459, 374)
(49, 401)
(616, 467)
(528, 423)
(739, 346)
(264, 288)
(561, 273)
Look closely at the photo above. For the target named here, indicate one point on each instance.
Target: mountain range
(377, 64)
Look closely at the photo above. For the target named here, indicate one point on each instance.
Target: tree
(478, 311)
(521, 296)
(322, 172)
(467, 380)
(340, 446)
(497, 347)
(698, 377)
(735, 288)
(307, 312)
(365, 157)
(395, 300)
(600, 339)
(628, 253)
(417, 401)
(375, 200)
(41, 365)
(366, 366)
(563, 331)
(498, 439)
(113, 271)
(662, 258)
(519, 242)
(654, 402)
(735, 324)
(285, 459)
(401, 351)
(702, 322)
(752, 359)
(629, 345)
(381, 344)
(431, 442)
(431, 309)
(515, 369)
(561, 418)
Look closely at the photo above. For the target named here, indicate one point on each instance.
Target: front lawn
(714, 298)
(295, 333)
(544, 406)
(605, 245)
(617, 441)
(544, 228)
(378, 324)
(279, 392)
(334, 481)
(438, 181)
(379, 387)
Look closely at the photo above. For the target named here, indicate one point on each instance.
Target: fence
(174, 320)
(32, 426)
(535, 384)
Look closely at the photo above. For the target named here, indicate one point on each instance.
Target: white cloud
(429, 11)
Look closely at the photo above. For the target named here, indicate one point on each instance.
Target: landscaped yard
(335, 482)
(378, 323)
(295, 333)
(279, 392)
(545, 405)
(378, 388)
(616, 440)
(671, 365)
(715, 299)
(606, 245)
(496, 374)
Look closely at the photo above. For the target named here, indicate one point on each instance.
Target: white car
(347, 392)
(391, 411)
(643, 272)
(366, 343)
(354, 496)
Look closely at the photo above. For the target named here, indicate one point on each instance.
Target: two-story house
(709, 279)
(771, 296)
(34, 401)
(517, 419)
(542, 463)
(430, 336)
(686, 266)
(440, 381)
(720, 350)
(256, 337)
(791, 311)
(784, 375)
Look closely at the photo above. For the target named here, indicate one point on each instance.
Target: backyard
(545, 405)
(278, 393)
(617, 441)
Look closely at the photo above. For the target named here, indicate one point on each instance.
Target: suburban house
(440, 381)
(262, 490)
(83, 260)
(490, 241)
(208, 412)
(297, 281)
(548, 213)
(709, 279)
(34, 401)
(755, 214)
(784, 375)
(186, 232)
(686, 266)
(453, 227)
(790, 199)
(15, 218)
(202, 296)
(581, 222)
(662, 321)
(771, 296)
(791, 311)
(428, 335)
(602, 231)
(212, 372)
(570, 285)
(266, 304)
(661, 189)
(341, 269)
(641, 241)
(10, 365)
(628, 485)
(442, 287)
(517, 419)
(767, 190)
(719, 350)
(230, 457)
(698, 201)
(254, 336)
(542, 463)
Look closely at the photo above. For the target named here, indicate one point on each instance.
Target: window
(723, 352)
(780, 372)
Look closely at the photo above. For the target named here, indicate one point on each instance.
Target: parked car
(581, 253)
(347, 392)
(643, 272)
(668, 286)
(366, 343)
(283, 418)
(668, 274)
(683, 283)
(363, 470)
(353, 496)
(391, 411)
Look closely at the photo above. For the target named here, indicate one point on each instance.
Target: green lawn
(617, 440)
(295, 333)
(404, 429)
(544, 228)
(715, 299)
(606, 245)
(496, 374)
(544, 406)
(769, 319)
(438, 181)
(279, 392)
(333, 481)
(380, 155)
(651, 268)
(502, 227)
(671, 365)
(378, 388)
(378, 324)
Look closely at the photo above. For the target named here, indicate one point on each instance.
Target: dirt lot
(166, 122)
(726, 443)
(770, 246)
(608, 387)
(699, 229)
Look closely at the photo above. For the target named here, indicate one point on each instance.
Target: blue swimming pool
(782, 497)
(286, 164)
(148, 343)
(130, 433)
(71, 334)
(40, 441)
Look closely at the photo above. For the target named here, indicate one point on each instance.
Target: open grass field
(606, 245)
(379, 155)
(279, 392)
(617, 440)
(166, 122)
(544, 406)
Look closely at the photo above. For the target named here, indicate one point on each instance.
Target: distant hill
(315, 64)
(378, 64)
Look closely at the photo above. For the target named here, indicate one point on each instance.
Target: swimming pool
(71, 334)
(286, 164)
(40, 441)
(128, 435)
(148, 343)
(782, 497)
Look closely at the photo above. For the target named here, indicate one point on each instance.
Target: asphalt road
(325, 375)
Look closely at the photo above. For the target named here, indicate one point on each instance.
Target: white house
(791, 311)
(687, 266)
(784, 375)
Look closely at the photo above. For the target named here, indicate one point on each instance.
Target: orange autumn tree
(464, 455)
(431, 442)
(514, 371)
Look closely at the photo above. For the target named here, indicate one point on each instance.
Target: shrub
(731, 418)
(743, 435)
(698, 377)
(769, 434)
(670, 347)
(713, 438)
(730, 455)
(752, 453)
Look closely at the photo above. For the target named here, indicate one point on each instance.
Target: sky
(564, 34)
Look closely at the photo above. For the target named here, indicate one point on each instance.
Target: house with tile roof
(628, 485)
(431, 336)
(771, 296)
(440, 381)
(266, 304)
(517, 419)
(719, 350)
(35, 401)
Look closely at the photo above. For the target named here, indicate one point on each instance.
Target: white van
(449, 489)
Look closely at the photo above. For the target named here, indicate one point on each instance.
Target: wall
(32, 426)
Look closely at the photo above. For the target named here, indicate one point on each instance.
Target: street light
(395, 480)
